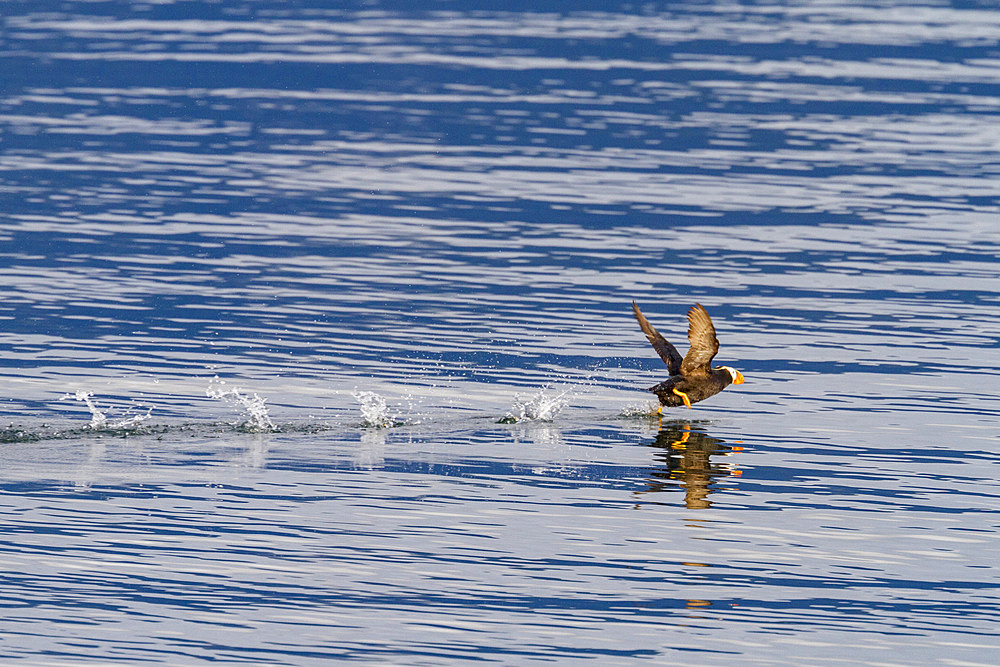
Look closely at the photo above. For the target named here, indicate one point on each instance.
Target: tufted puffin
(691, 379)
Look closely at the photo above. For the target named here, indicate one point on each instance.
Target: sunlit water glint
(318, 345)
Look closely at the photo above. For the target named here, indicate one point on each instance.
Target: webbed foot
(684, 397)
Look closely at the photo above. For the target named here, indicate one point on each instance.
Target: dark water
(238, 238)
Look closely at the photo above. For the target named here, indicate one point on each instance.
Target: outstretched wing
(671, 357)
(704, 344)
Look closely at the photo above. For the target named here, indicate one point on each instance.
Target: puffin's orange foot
(684, 397)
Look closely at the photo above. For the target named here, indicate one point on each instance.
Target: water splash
(374, 411)
(251, 405)
(540, 407)
(99, 421)
(640, 410)
(97, 418)
(130, 423)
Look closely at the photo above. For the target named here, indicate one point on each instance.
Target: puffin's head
(735, 374)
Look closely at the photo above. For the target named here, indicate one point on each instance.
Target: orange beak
(739, 378)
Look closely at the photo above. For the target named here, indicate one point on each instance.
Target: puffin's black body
(696, 389)
(692, 378)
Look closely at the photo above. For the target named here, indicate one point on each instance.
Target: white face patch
(732, 372)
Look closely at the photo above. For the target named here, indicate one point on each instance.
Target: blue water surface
(318, 344)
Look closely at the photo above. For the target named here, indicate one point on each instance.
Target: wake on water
(543, 406)
(640, 409)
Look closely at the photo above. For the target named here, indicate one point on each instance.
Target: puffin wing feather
(704, 344)
(671, 357)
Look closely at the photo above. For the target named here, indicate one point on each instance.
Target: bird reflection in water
(684, 454)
